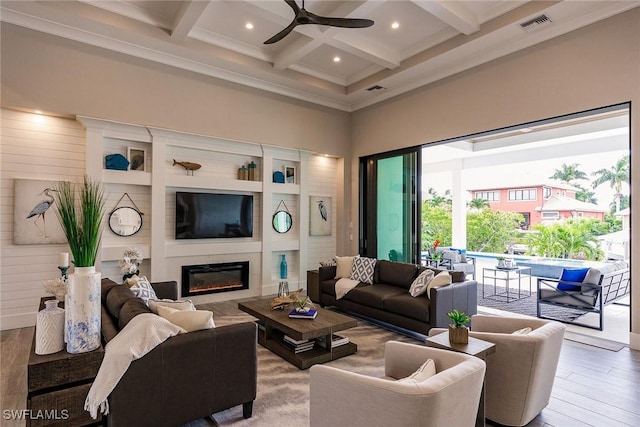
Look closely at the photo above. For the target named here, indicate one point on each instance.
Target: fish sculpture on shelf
(188, 166)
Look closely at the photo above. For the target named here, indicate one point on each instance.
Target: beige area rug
(283, 389)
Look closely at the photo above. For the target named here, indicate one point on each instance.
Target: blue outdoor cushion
(572, 275)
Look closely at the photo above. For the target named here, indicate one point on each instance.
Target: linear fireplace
(212, 278)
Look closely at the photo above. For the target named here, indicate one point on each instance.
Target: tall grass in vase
(80, 212)
(81, 216)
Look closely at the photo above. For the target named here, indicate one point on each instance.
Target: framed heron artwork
(319, 216)
(34, 213)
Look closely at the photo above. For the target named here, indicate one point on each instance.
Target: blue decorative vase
(82, 308)
(283, 267)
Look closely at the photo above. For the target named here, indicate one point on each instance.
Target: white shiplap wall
(323, 173)
(32, 146)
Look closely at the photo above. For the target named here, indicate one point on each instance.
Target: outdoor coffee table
(476, 347)
(507, 275)
(274, 324)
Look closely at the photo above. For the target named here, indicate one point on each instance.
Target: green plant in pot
(458, 332)
(501, 261)
(81, 212)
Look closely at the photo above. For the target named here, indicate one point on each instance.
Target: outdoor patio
(616, 317)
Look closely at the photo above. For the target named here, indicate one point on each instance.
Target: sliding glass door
(389, 206)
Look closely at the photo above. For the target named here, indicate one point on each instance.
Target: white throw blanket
(141, 335)
(344, 285)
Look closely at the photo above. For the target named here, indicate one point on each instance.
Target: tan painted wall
(592, 67)
(53, 74)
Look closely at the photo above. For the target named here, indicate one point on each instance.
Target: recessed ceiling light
(395, 25)
(336, 59)
(249, 26)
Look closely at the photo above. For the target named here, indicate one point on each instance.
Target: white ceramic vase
(50, 328)
(82, 307)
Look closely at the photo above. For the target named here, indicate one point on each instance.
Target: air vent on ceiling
(376, 88)
(536, 23)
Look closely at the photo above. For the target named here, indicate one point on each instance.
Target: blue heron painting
(41, 209)
(320, 216)
(34, 207)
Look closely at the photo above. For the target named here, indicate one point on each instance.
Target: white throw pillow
(143, 289)
(441, 279)
(426, 371)
(176, 305)
(419, 285)
(523, 331)
(189, 320)
(362, 269)
(343, 266)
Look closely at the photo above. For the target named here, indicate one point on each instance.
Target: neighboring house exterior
(539, 203)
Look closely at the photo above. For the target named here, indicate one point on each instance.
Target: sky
(532, 173)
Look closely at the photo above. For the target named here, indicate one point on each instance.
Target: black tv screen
(210, 215)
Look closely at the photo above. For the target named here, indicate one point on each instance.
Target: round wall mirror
(282, 221)
(125, 221)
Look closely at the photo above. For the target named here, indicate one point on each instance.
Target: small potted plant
(458, 332)
(501, 263)
(303, 304)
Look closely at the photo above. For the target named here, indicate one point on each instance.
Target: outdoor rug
(283, 389)
(526, 305)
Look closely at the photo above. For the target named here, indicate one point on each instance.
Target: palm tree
(479, 204)
(616, 175)
(568, 173)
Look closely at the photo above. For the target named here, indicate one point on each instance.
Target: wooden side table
(58, 384)
(313, 285)
(476, 347)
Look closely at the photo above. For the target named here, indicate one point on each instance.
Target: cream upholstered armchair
(448, 398)
(521, 372)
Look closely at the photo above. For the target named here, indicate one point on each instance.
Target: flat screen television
(211, 215)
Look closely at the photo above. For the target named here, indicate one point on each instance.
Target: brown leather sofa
(388, 299)
(189, 376)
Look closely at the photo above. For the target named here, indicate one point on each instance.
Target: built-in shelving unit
(153, 191)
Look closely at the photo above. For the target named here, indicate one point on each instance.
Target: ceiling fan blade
(282, 33)
(293, 5)
(340, 22)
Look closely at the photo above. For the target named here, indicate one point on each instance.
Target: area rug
(283, 389)
(526, 305)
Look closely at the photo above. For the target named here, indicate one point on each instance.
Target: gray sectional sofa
(388, 298)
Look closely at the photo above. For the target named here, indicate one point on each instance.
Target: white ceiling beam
(187, 17)
(451, 13)
(339, 38)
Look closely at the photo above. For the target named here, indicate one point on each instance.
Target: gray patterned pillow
(419, 285)
(362, 269)
(143, 289)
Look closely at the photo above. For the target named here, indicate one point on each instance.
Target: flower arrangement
(130, 263)
(434, 253)
(56, 287)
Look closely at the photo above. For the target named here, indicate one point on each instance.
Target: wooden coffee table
(274, 324)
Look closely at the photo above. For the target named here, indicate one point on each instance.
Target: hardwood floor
(593, 386)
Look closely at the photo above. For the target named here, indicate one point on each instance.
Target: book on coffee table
(336, 341)
(311, 314)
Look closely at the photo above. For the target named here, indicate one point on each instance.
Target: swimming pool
(542, 267)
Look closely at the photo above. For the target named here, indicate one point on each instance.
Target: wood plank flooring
(593, 386)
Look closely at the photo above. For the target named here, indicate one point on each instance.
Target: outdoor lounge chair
(601, 286)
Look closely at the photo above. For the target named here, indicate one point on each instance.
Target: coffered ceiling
(433, 39)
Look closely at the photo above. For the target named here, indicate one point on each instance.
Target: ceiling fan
(303, 17)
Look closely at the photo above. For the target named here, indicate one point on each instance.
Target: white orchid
(131, 260)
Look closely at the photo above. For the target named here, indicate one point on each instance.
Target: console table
(58, 384)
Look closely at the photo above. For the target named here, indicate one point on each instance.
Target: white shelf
(207, 183)
(285, 188)
(114, 253)
(112, 176)
(285, 245)
(210, 247)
